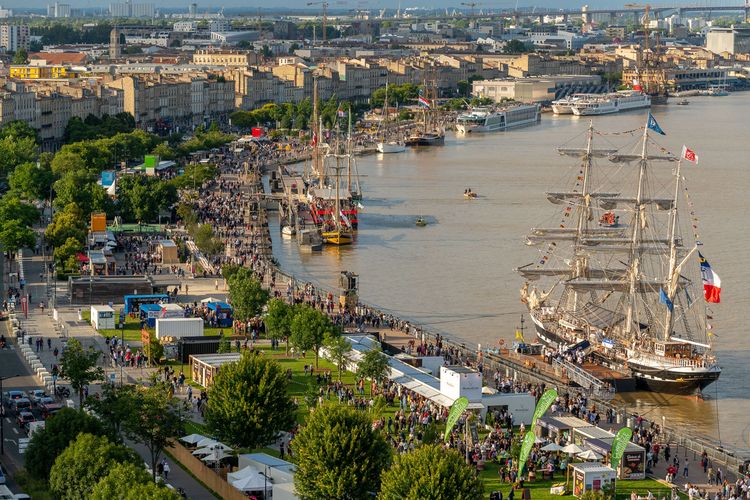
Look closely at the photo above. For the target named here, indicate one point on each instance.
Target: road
(12, 364)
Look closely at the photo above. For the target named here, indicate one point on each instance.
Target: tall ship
(491, 119)
(616, 278)
(430, 131)
(388, 143)
(624, 100)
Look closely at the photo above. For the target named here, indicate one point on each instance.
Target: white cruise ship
(565, 105)
(487, 119)
(624, 100)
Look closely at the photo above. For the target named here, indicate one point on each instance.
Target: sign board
(145, 337)
(150, 161)
(108, 178)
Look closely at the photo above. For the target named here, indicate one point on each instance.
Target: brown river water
(456, 276)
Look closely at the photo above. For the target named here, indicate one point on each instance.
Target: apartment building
(14, 37)
(232, 58)
(28, 72)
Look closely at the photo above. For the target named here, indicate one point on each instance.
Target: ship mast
(316, 129)
(674, 272)
(638, 221)
(349, 152)
(584, 212)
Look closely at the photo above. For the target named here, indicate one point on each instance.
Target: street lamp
(2, 415)
(265, 483)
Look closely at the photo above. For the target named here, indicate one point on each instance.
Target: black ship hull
(647, 378)
(426, 140)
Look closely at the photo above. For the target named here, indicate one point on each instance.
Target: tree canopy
(309, 329)
(373, 366)
(84, 462)
(246, 294)
(49, 441)
(431, 473)
(142, 198)
(248, 402)
(339, 455)
(130, 482)
(80, 366)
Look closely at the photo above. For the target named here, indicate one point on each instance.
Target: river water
(456, 276)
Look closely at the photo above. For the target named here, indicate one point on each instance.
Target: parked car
(24, 418)
(36, 394)
(50, 409)
(44, 401)
(21, 404)
(10, 396)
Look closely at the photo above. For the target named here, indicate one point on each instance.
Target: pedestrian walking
(685, 469)
(281, 450)
(166, 470)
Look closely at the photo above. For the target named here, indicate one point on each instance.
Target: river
(456, 275)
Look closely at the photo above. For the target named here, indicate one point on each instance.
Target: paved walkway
(41, 324)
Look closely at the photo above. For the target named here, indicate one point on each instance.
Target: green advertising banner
(618, 446)
(543, 405)
(528, 442)
(457, 408)
(150, 161)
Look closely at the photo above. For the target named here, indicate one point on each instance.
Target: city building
(14, 37)
(220, 25)
(185, 26)
(534, 89)
(241, 59)
(58, 10)
(128, 9)
(730, 40)
(5, 13)
(234, 37)
(29, 72)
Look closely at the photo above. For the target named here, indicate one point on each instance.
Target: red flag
(314, 139)
(689, 154)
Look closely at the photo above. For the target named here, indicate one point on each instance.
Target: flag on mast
(424, 102)
(689, 155)
(653, 125)
(711, 281)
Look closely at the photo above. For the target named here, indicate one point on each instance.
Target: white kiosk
(103, 317)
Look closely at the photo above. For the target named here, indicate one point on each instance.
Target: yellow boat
(338, 237)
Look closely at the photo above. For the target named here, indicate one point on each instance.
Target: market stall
(590, 476)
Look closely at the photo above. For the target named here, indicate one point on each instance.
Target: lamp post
(265, 483)
(2, 415)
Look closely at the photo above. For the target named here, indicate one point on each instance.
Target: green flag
(528, 442)
(457, 408)
(619, 444)
(543, 405)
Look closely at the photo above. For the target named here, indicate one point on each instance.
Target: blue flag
(664, 299)
(653, 125)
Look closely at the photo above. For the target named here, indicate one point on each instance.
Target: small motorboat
(683, 102)
(469, 194)
(421, 222)
(287, 231)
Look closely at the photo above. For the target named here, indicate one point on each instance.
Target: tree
(18, 129)
(515, 47)
(206, 241)
(155, 420)
(30, 181)
(224, 345)
(431, 473)
(49, 441)
(338, 351)
(11, 207)
(130, 482)
(79, 366)
(248, 402)
(339, 455)
(14, 235)
(373, 366)
(142, 198)
(309, 329)
(246, 294)
(15, 151)
(278, 320)
(87, 460)
(21, 57)
(113, 407)
(67, 223)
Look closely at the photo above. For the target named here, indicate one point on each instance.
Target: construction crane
(324, 7)
(471, 5)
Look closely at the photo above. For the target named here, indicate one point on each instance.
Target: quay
(517, 366)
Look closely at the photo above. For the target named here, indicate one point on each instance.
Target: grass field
(132, 330)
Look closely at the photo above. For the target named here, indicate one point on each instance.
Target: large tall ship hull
(429, 139)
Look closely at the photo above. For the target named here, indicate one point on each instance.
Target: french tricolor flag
(711, 281)
(637, 86)
(424, 102)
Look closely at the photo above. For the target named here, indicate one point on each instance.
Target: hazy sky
(349, 4)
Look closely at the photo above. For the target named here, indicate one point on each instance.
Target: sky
(374, 5)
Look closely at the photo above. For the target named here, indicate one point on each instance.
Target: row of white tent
(573, 449)
(211, 450)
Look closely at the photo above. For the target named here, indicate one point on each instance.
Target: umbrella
(210, 442)
(203, 451)
(192, 438)
(539, 440)
(590, 455)
(572, 449)
(251, 482)
(215, 456)
(552, 447)
(210, 299)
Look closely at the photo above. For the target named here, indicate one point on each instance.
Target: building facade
(14, 37)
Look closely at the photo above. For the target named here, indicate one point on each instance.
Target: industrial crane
(324, 6)
(471, 5)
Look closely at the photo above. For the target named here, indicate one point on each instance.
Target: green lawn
(540, 489)
(132, 330)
